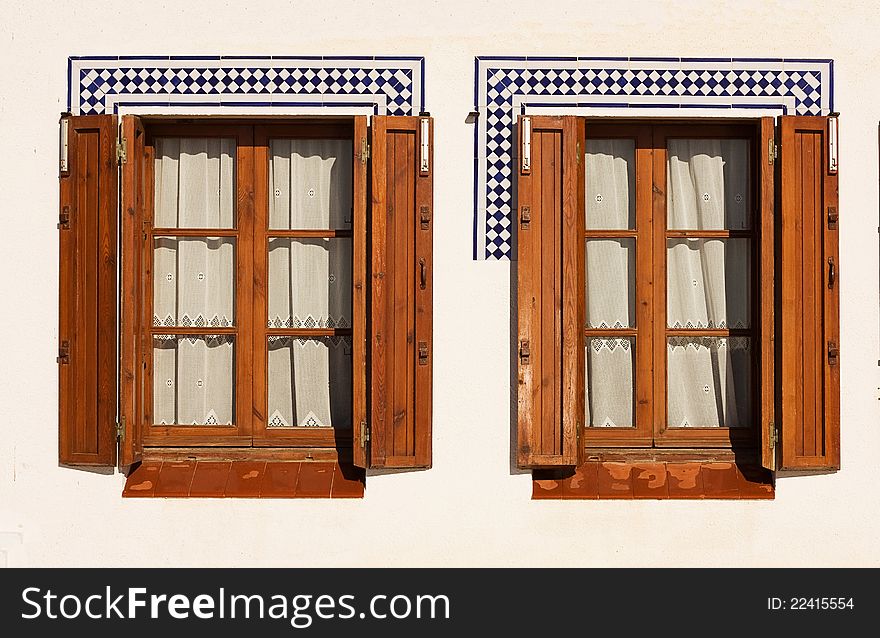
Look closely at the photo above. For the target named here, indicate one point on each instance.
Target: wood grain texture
(809, 304)
(88, 294)
(766, 270)
(400, 296)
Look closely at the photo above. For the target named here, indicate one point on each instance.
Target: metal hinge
(524, 352)
(121, 154)
(364, 434)
(525, 217)
(773, 436)
(425, 217)
(772, 151)
(423, 353)
(365, 151)
(64, 218)
(832, 218)
(833, 353)
(120, 429)
(63, 353)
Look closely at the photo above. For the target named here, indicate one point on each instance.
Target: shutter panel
(550, 254)
(767, 270)
(401, 350)
(359, 293)
(809, 324)
(87, 292)
(131, 345)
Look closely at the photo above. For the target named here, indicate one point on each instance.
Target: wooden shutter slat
(401, 323)
(809, 407)
(88, 294)
(131, 291)
(767, 271)
(549, 250)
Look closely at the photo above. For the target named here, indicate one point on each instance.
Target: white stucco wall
(469, 509)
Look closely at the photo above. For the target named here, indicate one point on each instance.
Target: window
(263, 303)
(648, 280)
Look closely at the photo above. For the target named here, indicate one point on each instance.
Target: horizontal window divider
(192, 330)
(592, 233)
(272, 451)
(201, 436)
(710, 234)
(611, 332)
(709, 332)
(195, 232)
(308, 332)
(278, 233)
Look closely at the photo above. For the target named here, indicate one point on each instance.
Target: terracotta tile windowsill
(653, 480)
(244, 479)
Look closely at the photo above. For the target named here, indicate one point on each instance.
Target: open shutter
(401, 300)
(767, 270)
(131, 367)
(87, 291)
(359, 293)
(809, 324)
(550, 252)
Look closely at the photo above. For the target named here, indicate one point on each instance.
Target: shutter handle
(832, 274)
(423, 277)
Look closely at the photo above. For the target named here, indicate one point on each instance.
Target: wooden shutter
(550, 253)
(359, 292)
(767, 273)
(133, 186)
(87, 291)
(401, 350)
(810, 332)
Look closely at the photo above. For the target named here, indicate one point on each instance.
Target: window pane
(611, 283)
(193, 379)
(610, 365)
(710, 381)
(310, 184)
(709, 283)
(707, 185)
(310, 382)
(310, 283)
(610, 167)
(194, 182)
(193, 281)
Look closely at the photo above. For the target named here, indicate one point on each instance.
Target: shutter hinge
(365, 151)
(772, 151)
(833, 353)
(524, 352)
(121, 154)
(425, 217)
(64, 218)
(364, 434)
(63, 353)
(773, 436)
(423, 353)
(120, 429)
(578, 152)
(832, 218)
(525, 217)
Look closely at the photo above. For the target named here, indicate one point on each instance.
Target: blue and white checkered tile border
(507, 86)
(390, 85)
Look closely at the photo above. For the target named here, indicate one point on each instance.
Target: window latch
(63, 353)
(833, 353)
(524, 352)
(832, 274)
(423, 275)
(423, 353)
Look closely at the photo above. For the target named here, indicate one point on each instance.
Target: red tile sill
(244, 479)
(654, 480)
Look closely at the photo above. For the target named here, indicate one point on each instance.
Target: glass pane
(193, 281)
(310, 283)
(707, 185)
(710, 382)
(610, 167)
(194, 182)
(709, 283)
(310, 184)
(610, 377)
(611, 283)
(193, 379)
(310, 382)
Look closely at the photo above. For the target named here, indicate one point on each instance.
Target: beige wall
(469, 509)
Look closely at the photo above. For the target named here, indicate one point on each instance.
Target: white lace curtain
(310, 283)
(708, 283)
(194, 281)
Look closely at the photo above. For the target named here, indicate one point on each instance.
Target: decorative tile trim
(506, 86)
(390, 85)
